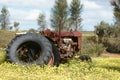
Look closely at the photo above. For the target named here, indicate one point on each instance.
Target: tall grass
(2, 56)
(100, 69)
(90, 46)
(6, 37)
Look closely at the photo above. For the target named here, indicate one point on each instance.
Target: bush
(113, 46)
(90, 47)
(92, 39)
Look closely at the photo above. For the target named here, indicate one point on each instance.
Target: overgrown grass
(2, 56)
(100, 69)
(90, 46)
(6, 37)
(87, 33)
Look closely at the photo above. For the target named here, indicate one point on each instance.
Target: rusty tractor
(45, 47)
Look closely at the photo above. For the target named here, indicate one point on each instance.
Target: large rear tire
(30, 48)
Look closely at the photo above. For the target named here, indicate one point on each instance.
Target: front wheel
(56, 55)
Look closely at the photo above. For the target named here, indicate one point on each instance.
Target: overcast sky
(26, 12)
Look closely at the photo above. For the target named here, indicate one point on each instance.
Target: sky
(26, 12)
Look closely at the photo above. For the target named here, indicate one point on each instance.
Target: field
(100, 69)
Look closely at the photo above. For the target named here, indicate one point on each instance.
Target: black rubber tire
(56, 55)
(41, 41)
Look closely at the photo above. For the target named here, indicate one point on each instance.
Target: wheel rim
(51, 61)
(28, 52)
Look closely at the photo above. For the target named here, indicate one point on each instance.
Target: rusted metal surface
(68, 43)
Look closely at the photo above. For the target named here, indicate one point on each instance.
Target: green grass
(100, 69)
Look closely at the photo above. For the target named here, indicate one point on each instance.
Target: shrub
(113, 46)
(91, 48)
(92, 38)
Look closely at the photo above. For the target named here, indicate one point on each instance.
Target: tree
(103, 31)
(59, 14)
(4, 19)
(75, 11)
(41, 21)
(116, 5)
(32, 30)
(116, 30)
(16, 24)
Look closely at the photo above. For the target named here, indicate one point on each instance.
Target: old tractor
(45, 47)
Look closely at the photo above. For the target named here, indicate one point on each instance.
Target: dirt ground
(107, 54)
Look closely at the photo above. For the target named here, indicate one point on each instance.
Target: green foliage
(103, 30)
(116, 5)
(100, 69)
(75, 11)
(91, 47)
(91, 38)
(16, 24)
(113, 45)
(41, 22)
(116, 30)
(105, 33)
(117, 14)
(59, 14)
(4, 19)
